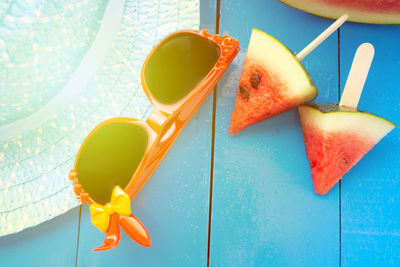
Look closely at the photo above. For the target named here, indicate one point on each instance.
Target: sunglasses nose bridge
(157, 120)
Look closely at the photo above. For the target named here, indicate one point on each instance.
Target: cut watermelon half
(336, 138)
(365, 11)
(272, 81)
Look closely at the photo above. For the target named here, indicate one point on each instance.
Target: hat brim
(38, 150)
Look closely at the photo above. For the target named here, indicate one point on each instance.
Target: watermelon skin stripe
(368, 11)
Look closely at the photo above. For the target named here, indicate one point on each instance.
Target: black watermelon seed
(255, 80)
(244, 91)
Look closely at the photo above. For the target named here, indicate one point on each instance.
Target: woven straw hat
(63, 70)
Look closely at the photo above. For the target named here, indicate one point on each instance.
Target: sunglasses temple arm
(157, 119)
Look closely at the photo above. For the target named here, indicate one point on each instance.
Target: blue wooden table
(248, 200)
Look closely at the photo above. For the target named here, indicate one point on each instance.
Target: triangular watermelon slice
(336, 138)
(366, 11)
(272, 81)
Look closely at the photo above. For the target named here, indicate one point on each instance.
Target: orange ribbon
(117, 213)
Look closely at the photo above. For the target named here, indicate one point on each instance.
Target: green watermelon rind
(336, 17)
(332, 108)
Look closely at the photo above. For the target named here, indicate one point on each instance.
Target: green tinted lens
(110, 157)
(178, 65)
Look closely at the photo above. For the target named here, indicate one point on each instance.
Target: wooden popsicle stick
(357, 76)
(325, 34)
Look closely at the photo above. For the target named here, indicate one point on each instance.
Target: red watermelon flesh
(269, 99)
(332, 154)
(364, 11)
(336, 138)
(272, 81)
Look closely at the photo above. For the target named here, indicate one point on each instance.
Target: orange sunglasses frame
(163, 127)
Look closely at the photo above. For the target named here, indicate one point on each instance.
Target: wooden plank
(52, 243)
(174, 203)
(264, 211)
(371, 190)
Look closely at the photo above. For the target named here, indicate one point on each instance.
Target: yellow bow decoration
(120, 203)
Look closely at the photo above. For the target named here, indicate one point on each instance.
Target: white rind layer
(360, 123)
(272, 55)
(334, 11)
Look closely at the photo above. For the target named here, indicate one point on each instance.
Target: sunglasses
(120, 154)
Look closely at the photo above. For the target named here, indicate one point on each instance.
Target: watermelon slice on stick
(338, 136)
(273, 79)
(365, 11)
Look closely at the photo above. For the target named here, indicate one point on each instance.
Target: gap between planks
(340, 181)
(79, 231)
(217, 19)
